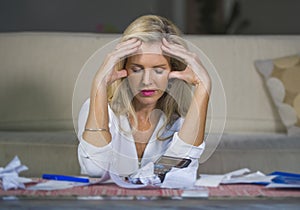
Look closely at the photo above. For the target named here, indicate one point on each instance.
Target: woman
(141, 103)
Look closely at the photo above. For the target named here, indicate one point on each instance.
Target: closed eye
(136, 69)
(159, 70)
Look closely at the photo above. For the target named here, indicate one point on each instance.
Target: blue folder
(286, 178)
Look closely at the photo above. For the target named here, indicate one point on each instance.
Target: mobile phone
(165, 163)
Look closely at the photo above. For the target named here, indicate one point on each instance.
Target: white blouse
(120, 155)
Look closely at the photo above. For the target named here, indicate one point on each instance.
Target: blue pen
(65, 178)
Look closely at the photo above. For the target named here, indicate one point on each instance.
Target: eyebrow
(156, 66)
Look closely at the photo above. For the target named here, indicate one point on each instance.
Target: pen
(65, 178)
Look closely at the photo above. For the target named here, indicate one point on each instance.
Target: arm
(193, 128)
(98, 111)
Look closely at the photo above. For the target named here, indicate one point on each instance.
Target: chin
(147, 100)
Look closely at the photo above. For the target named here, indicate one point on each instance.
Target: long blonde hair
(176, 100)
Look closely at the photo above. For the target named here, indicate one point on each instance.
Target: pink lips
(147, 92)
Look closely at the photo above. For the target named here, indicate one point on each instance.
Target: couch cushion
(282, 79)
(42, 152)
(266, 152)
(56, 152)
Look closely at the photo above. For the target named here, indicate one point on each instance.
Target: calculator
(165, 163)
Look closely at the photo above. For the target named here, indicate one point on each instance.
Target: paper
(254, 178)
(195, 192)
(55, 185)
(126, 184)
(234, 177)
(145, 175)
(183, 174)
(282, 185)
(142, 178)
(209, 180)
(236, 173)
(60, 185)
(10, 175)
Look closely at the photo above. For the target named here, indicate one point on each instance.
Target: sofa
(39, 71)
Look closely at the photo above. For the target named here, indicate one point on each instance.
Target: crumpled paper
(10, 174)
(145, 175)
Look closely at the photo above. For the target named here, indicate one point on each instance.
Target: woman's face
(148, 73)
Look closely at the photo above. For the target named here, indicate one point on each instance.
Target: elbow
(90, 168)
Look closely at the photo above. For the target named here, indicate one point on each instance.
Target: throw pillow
(282, 77)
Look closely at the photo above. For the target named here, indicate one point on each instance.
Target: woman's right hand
(122, 50)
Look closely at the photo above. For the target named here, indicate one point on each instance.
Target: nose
(147, 80)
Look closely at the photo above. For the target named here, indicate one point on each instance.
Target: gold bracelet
(95, 129)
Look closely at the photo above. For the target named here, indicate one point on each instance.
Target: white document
(179, 178)
(282, 185)
(60, 185)
(195, 192)
(256, 177)
(214, 180)
(56, 185)
(207, 180)
(235, 177)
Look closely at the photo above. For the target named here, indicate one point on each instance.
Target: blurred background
(191, 16)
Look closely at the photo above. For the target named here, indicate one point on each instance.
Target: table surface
(110, 196)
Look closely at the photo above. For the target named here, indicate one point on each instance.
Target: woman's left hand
(201, 78)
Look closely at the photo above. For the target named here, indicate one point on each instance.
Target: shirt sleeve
(93, 161)
(178, 148)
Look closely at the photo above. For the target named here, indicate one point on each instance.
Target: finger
(128, 44)
(174, 50)
(175, 75)
(126, 50)
(177, 52)
(169, 44)
(129, 41)
(118, 74)
(121, 73)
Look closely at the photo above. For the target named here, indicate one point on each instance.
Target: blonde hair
(176, 100)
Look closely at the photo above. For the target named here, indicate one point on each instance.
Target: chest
(141, 139)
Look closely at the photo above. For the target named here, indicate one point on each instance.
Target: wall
(253, 17)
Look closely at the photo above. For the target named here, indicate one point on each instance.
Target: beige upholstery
(38, 72)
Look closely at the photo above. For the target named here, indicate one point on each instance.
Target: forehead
(152, 48)
(149, 53)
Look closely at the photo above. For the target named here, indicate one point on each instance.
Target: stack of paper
(235, 177)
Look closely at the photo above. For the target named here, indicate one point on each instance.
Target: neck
(143, 111)
(147, 117)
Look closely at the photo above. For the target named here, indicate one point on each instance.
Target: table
(110, 196)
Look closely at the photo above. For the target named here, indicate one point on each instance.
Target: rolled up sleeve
(94, 161)
(178, 148)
